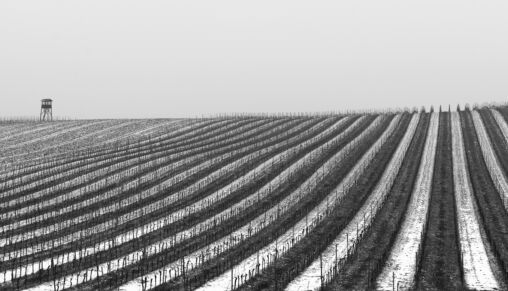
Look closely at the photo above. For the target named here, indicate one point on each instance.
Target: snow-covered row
(310, 278)
(209, 223)
(490, 158)
(501, 122)
(283, 243)
(131, 185)
(402, 261)
(154, 225)
(478, 274)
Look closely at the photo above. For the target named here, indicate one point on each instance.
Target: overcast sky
(135, 59)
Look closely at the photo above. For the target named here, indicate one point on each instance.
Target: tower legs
(46, 114)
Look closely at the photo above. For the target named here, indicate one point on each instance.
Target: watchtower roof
(47, 100)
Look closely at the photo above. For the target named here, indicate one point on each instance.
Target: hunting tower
(47, 110)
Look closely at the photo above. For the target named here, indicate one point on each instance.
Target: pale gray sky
(134, 59)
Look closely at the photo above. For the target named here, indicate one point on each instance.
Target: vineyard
(359, 201)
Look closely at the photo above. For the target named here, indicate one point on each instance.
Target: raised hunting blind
(46, 110)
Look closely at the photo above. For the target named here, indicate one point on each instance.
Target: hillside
(386, 201)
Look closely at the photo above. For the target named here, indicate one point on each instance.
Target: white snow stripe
(490, 158)
(478, 274)
(401, 263)
(501, 122)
